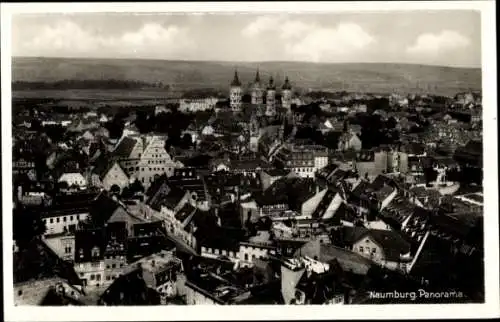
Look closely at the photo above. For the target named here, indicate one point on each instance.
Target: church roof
(257, 77)
(236, 80)
(271, 84)
(287, 84)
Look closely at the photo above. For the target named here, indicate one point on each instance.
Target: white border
(490, 309)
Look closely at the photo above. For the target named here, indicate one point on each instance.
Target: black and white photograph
(162, 155)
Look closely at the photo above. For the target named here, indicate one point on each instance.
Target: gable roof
(125, 147)
(392, 243)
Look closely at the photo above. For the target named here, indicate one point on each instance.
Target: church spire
(271, 83)
(287, 85)
(236, 80)
(257, 76)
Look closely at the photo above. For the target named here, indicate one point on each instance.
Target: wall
(248, 253)
(91, 272)
(365, 248)
(56, 224)
(115, 176)
(63, 246)
(194, 297)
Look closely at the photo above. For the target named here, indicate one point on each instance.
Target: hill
(181, 75)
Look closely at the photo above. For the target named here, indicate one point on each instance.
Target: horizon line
(252, 62)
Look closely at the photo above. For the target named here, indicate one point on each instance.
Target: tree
(136, 186)
(115, 189)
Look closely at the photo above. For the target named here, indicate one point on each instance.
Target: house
(130, 289)
(349, 141)
(64, 218)
(155, 161)
(128, 153)
(208, 130)
(62, 244)
(89, 256)
(386, 248)
(110, 174)
(74, 179)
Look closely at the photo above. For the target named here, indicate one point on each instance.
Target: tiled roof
(86, 241)
(125, 147)
(185, 212)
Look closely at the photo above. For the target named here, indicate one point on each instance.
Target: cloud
(309, 41)
(68, 38)
(260, 25)
(433, 44)
(329, 44)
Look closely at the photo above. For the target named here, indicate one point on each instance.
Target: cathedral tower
(257, 90)
(235, 93)
(271, 98)
(286, 95)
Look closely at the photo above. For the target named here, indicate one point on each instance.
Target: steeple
(271, 84)
(236, 81)
(257, 76)
(287, 85)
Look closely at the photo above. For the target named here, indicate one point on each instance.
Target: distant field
(104, 95)
(182, 75)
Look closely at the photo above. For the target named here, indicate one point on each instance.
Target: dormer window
(80, 252)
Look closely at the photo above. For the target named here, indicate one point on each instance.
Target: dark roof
(169, 199)
(291, 191)
(271, 85)
(36, 261)
(102, 209)
(236, 80)
(130, 289)
(86, 241)
(287, 85)
(185, 212)
(124, 148)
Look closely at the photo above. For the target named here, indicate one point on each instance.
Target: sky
(447, 38)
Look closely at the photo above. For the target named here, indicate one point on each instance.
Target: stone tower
(235, 93)
(257, 90)
(286, 95)
(271, 98)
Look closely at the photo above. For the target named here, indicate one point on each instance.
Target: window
(70, 218)
(246, 257)
(92, 277)
(98, 277)
(96, 252)
(51, 220)
(374, 250)
(57, 219)
(20, 292)
(64, 218)
(113, 265)
(361, 249)
(67, 250)
(108, 278)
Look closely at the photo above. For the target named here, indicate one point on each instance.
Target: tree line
(86, 84)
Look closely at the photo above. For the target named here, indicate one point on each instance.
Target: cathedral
(258, 92)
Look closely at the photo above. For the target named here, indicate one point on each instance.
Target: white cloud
(309, 41)
(433, 44)
(68, 38)
(260, 25)
(330, 44)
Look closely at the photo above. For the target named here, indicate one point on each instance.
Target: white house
(74, 179)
